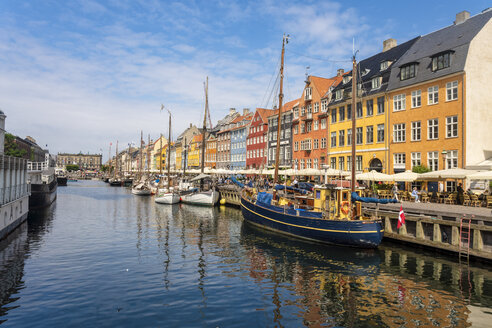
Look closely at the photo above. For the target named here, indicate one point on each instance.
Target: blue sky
(77, 75)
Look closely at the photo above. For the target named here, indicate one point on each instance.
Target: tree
(72, 167)
(11, 148)
(420, 169)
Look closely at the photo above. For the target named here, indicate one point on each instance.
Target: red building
(256, 141)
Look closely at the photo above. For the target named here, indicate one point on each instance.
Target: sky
(77, 75)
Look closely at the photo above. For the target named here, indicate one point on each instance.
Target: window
(433, 160)
(369, 107)
(309, 109)
(324, 105)
(452, 90)
(384, 65)
(338, 94)
(399, 132)
(369, 134)
(333, 162)
(440, 62)
(287, 153)
(323, 143)
(349, 162)
(341, 163)
(303, 128)
(296, 146)
(380, 132)
(308, 163)
(416, 98)
(358, 163)
(349, 137)
(316, 144)
(415, 159)
(287, 133)
(433, 129)
(296, 129)
(323, 123)
(408, 71)
(451, 126)
(380, 105)
(303, 111)
(309, 126)
(333, 139)
(416, 131)
(334, 115)
(308, 94)
(316, 125)
(399, 102)
(302, 164)
(376, 82)
(341, 138)
(433, 95)
(346, 79)
(296, 112)
(452, 159)
(315, 163)
(359, 110)
(341, 113)
(399, 159)
(316, 107)
(349, 112)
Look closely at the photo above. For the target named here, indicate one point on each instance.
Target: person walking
(395, 191)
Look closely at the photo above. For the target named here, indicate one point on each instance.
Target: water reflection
(131, 262)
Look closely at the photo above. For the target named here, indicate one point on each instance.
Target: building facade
(256, 141)
(211, 151)
(238, 140)
(84, 161)
(285, 151)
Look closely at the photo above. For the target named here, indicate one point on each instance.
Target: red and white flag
(401, 218)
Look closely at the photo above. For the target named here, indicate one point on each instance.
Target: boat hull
(168, 198)
(206, 198)
(61, 181)
(141, 192)
(356, 233)
(42, 195)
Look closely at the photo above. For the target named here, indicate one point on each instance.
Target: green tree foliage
(72, 167)
(11, 148)
(104, 168)
(420, 169)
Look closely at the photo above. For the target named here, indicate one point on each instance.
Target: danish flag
(401, 218)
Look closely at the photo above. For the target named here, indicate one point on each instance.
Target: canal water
(101, 257)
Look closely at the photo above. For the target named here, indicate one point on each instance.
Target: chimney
(245, 111)
(232, 111)
(340, 71)
(461, 17)
(388, 44)
(191, 125)
(2, 130)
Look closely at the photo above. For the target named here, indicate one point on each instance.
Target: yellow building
(194, 155)
(179, 156)
(370, 112)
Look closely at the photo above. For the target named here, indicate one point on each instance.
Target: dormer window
(346, 79)
(408, 71)
(441, 61)
(308, 94)
(338, 94)
(376, 82)
(366, 71)
(384, 65)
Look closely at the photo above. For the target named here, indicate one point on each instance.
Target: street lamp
(444, 152)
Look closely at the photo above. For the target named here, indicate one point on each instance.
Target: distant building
(256, 150)
(285, 151)
(33, 152)
(84, 161)
(238, 140)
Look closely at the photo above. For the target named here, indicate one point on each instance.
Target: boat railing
(37, 166)
(9, 194)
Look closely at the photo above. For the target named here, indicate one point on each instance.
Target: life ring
(345, 207)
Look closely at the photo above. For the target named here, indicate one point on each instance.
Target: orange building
(211, 152)
(309, 125)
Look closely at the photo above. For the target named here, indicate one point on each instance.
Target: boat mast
(148, 158)
(168, 155)
(354, 104)
(160, 157)
(204, 126)
(141, 155)
(280, 99)
(185, 147)
(116, 160)
(109, 159)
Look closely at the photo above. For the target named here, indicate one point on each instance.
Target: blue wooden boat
(330, 221)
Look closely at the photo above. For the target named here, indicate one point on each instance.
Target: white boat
(204, 198)
(168, 198)
(141, 190)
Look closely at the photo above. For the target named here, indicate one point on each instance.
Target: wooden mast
(204, 126)
(280, 99)
(160, 157)
(148, 158)
(116, 161)
(354, 108)
(141, 155)
(185, 148)
(168, 155)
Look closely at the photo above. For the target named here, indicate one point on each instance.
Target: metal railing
(9, 194)
(37, 166)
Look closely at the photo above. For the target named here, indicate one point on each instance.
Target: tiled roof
(455, 38)
(265, 113)
(286, 107)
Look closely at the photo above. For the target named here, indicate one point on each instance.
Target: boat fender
(345, 207)
(222, 201)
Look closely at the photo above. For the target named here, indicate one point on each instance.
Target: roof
(265, 113)
(323, 84)
(371, 67)
(455, 38)
(286, 107)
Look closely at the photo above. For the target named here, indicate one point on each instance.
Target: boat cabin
(335, 201)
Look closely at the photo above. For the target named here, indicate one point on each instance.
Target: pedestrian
(415, 195)
(395, 191)
(460, 198)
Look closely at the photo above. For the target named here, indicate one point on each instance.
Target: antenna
(307, 73)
